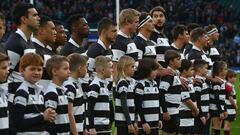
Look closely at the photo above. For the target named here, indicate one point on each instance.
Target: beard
(83, 35)
(159, 28)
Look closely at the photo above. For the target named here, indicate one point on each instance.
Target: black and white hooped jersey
(72, 47)
(75, 96)
(230, 108)
(30, 97)
(185, 113)
(56, 99)
(218, 97)
(173, 47)
(146, 48)
(17, 45)
(214, 54)
(4, 117)
(171, 87)
(99, 91)
(46, 54)
(97, 49)
(150, 104)
(124, 45)
(162, 45)
(196, 53)
(124, 86)
(187, 48)
(202, 96)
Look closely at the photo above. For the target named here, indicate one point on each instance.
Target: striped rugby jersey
(74, 93)
(124, 86)
(55, 98)
(150, 103)
(101, 119)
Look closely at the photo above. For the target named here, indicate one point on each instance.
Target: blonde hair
(127, 16)
(124, 62)
(101, 62)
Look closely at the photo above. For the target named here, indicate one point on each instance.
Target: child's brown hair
(55, 63)
(230, 74)
(76, 60)
(3, 57)
(30, 59)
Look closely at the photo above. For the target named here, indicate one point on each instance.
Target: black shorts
(214, 113)
(186, 130)
(231, 118)
(172, 125)
(154, 131)
(199, 127)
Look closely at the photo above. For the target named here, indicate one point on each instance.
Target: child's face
(129, 70)
(63, 72)
(232, 79)
(153, 74)
(224, 70)
(107, 72)
(82, 71)
(2, 28)
(3, 71)
(32, 74)
(176, 63)
(189, 72)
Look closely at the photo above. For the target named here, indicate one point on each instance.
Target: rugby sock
(216, 131)
(226, 132)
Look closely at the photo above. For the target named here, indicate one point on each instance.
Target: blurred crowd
(178, 12)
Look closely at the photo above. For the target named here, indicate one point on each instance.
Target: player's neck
(77, 39)
(57, 81)
(146, 34)
(126, 31)
(105, 41)
(27, 31)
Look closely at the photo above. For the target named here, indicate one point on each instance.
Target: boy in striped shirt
(4, 118)
(54, 97)
(76, 106)
(98, 98)
(202, 95)
(29, 113)
(170, 92)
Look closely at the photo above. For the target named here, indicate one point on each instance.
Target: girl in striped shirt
(147, 98)
(218, 96)
(125, 107)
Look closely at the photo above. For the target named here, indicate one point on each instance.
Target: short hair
(2, 17)
(30, 59)
(199, 64)
(231, 74)
(105, 23)
(177, 30)
(196, 34)
(192, 26)
(20, 10)
(3, 57)
(127, 15)
(44, 20)
(76, 60)
(170, 55)
(73, 20)
(55, 63)
(145, 67)
(57, 22)
(218, 67)
(185, 65)
(101, 62)
(210, 27)
(157, 8)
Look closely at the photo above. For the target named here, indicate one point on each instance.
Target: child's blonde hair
(101, 62)
(124, 62)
